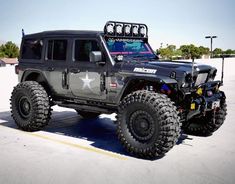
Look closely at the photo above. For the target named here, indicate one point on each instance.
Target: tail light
(17, 69)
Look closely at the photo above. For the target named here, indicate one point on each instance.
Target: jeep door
(86, 79)
(56, 61)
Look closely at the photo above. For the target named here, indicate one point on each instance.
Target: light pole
(211, 37)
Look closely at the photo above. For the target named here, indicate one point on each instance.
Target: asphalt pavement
(75, 150)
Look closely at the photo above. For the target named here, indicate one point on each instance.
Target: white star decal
(86, 81)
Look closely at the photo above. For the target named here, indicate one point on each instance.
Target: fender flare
(41, 79)
(27, 73)
(160, 80)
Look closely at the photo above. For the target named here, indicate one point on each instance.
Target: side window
(83, 49)
(56, 49)
(32, 49)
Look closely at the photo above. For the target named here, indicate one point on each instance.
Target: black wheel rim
(24, 107)
(141, 125)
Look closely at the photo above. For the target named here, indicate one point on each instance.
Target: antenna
(23, 33)
(222, 74)
(192, 66)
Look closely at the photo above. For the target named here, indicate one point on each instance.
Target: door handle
(74, 70)
(50, 69)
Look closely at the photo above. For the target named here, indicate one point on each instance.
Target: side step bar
(83, 107)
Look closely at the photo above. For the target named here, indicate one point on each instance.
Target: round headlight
(188, 78)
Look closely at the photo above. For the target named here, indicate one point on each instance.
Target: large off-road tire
(206, 125)
(88, 115)
(30, 106)
(148, 124)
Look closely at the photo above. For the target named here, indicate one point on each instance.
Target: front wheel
(206, 125)
(148, 124)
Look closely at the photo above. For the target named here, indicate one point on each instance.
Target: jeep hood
(162, 68)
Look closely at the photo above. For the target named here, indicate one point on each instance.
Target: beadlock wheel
(30, 106)
(148, 124)
(141, 125)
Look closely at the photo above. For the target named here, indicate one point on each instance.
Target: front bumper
(209, 99)
(203, 104)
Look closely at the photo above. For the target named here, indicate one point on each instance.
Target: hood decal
(145, 70)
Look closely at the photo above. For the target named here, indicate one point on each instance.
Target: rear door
(56, 61)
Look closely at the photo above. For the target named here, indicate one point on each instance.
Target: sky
(175, 22)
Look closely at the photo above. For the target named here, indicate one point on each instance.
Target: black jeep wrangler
(116, 71)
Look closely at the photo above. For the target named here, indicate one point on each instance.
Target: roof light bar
(125, 29)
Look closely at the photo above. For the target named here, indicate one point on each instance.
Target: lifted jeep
(116, 71)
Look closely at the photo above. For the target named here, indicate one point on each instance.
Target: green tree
(229, 52)
(10, 50)
(171, 48)
(165, 53)
(204, 50)
(217, 52)
(177, 53)
(168, 52)
(2, 55)
(190, 51)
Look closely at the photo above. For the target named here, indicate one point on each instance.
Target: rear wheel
(148, 125)
(30, 106)
(88, 115)
(208, 124)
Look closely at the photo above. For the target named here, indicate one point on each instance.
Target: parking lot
(74, 150)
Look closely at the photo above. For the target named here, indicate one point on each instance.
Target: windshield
(129, 47)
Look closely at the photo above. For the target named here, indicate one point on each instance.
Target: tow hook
(214, 111)
(204, 113)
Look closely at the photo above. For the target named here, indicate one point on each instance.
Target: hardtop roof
(59, 33)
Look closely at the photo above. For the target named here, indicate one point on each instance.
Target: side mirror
(96, 56)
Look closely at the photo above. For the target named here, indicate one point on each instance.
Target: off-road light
(127, 29)
(135, 30)
(209, 93)
(143, 31)
(119, 57)
(110, 28)
(193, 106)
(119, 28)
(199, 91)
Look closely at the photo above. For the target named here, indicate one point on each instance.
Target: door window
(83, 49)
(56, 49)
(32, 49)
